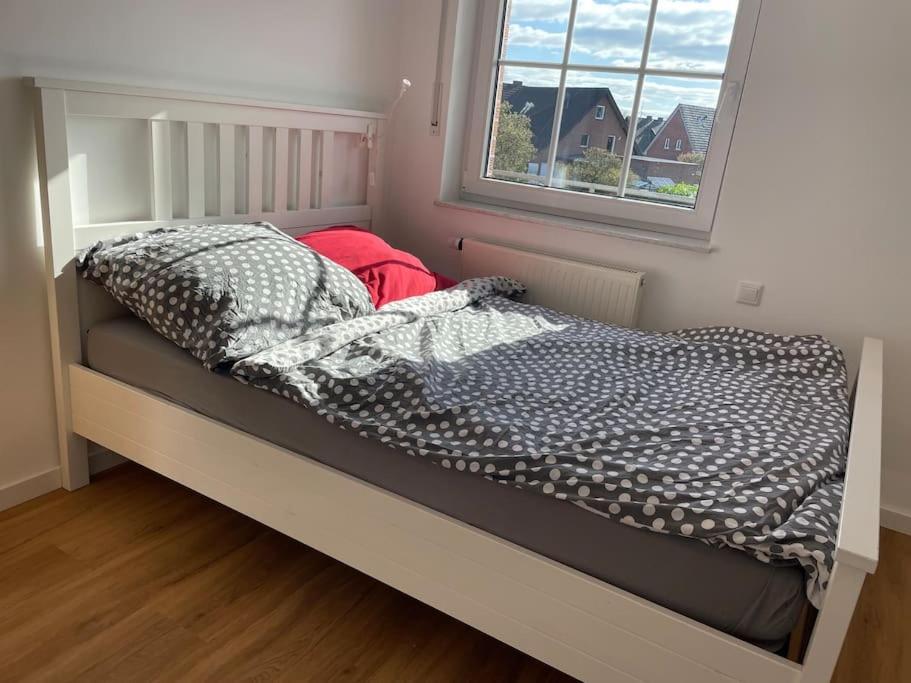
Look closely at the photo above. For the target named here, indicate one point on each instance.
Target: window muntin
(558, 18)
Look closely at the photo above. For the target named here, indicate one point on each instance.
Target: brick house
(687, 129)
(591, 118)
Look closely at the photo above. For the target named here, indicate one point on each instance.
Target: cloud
(688, 34)
(523, 35)
(553, 11)
(661, 94)
(610, 46)
(622, 14)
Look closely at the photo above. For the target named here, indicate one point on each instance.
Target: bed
(752, 600)
(557, 602)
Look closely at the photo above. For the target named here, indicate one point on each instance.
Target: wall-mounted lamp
(404, 84)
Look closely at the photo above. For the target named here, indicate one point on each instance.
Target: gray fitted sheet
(724, 588)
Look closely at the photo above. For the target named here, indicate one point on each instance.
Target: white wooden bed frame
(572, 621)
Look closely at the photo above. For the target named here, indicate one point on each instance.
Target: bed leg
(63, 301)
(832, 623)
(74, 459)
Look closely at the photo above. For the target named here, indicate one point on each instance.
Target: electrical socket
(749, 293)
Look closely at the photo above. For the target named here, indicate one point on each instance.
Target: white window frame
(600, 110)
(678, 145)
(611, 143)
(585, 141)
(624, 211)
(667, 143)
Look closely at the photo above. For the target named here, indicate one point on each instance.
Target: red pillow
(389, 274)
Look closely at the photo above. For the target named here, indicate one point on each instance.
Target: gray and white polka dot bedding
(732, 437)
(224, 291)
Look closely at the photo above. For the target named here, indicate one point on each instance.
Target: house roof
(538, 104)
(646, 130)
(698, 124)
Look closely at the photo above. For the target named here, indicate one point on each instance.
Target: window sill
(676, 241)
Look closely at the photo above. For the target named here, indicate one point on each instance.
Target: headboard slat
(255, 169)
(305, 170)
(280, 201)
(226, 163)
(161, 170)
(196, 171)
(326, 161)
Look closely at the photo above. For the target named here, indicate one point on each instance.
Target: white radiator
(584, 289)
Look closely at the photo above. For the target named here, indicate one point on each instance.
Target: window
(679, 145)
(542, 63)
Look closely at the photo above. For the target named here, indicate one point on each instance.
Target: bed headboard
(115, 160)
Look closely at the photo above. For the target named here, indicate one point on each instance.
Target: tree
(692, 157)
(600, 167)
(514, 147)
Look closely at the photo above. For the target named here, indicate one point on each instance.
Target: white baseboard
(30, 487)
(895, 518)
(100, 459)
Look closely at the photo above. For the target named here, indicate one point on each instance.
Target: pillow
(389, 274)
(224, 292)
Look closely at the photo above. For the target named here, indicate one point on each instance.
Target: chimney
(518, 84)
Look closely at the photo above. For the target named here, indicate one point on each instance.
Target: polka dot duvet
(726, 436)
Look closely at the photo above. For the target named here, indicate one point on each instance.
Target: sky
(689, 35)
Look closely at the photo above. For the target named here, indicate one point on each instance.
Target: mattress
(723, 588)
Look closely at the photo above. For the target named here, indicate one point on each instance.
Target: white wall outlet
(749, 293)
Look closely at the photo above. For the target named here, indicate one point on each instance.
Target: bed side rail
(858, 530)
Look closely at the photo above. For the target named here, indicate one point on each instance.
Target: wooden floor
(137, 578)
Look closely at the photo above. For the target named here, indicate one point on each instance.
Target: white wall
(812, 205)
(312, 51)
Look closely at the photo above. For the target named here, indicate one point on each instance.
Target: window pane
(609, 32)
(692, 35)
(593, 167)
(665, 171)
(535, 30)
(523, 120)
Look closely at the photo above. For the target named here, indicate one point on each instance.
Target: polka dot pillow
(224, 292)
